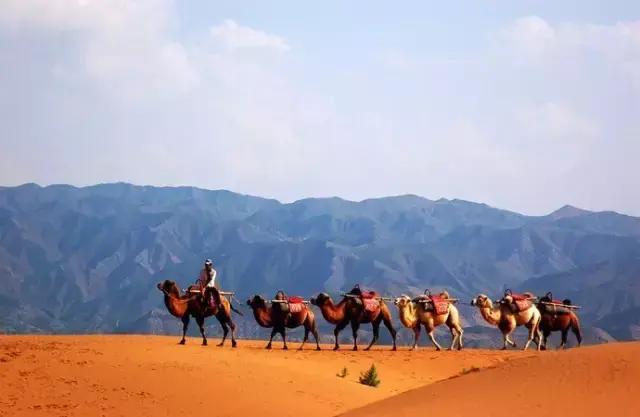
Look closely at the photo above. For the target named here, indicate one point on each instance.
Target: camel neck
(408, 315)
(491, 315)
(263, 316)
(333, 313)
(176, 306)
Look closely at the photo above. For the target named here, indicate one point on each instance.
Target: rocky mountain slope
(87, 259)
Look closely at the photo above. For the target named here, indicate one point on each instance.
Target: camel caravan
(541, 316)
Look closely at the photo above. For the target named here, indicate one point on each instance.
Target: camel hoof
(318, 349)
(234, 344)
(355, 348)
(182, 342)
(204, 343)
(268, 347)
(285, 348)
(336, 348)
(459, 347)
(220, 344)
(504, 348)
(365, 349)
(393, 349)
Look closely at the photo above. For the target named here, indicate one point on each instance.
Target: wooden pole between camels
(388, 299)
(560, 305)
(285, 301)
(449, 300)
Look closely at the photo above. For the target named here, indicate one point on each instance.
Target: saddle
(291, 304)
(556, 307)
(368, 299)
(208, 296)
(437, 304)
(516, 302)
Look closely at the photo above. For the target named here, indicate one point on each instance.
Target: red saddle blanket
(521, 301)
(296, 304)
(371, 304)
(440, 305)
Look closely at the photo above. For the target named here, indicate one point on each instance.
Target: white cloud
(542, 115)
(234, 36)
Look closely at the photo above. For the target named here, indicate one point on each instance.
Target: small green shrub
(468, 371)
(344, 373)
(370, 377)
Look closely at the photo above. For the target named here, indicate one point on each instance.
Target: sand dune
(153, 376)
(589, 381)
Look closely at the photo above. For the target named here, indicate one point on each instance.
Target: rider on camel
(208, 282)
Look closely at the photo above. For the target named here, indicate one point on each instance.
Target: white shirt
(203, 277)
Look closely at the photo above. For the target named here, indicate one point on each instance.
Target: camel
(414, 314)
(558, 318)
(356, 311)
(507, 319)
(186, 306)
(291, 313)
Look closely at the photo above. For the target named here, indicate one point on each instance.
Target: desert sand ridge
(590, 381)
(120, 375)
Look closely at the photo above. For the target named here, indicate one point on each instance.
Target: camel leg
(200, 321)
(376, 333)
(507, 340)
(433, 339)
(284, 338)
(185, 326)
(233, 333)
(545, 338)
(273, 333)
(460, 332)
(313, 329)
(577, 332)
(416, 336)
(454, 336)
(225, 331)
(389, 325)
(306, 336)
(336, 331)
(355, 326)
(533, 332)
(565, 334)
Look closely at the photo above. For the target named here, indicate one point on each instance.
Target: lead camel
(190, 305)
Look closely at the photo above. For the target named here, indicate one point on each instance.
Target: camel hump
(445, 294)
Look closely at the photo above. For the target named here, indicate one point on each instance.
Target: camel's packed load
(288, 303)
(517, 302)
(438, 304)
(371, 300)
(547, 305)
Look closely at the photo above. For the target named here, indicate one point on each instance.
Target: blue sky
(525, 105)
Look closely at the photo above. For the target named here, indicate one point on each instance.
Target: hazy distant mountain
(87, 259)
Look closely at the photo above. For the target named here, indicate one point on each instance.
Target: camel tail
(575, 328)
(233, 308)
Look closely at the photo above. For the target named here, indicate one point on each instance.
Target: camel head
(402, 301)
(168, 286)
(320, 299)
(482, 301)
(257, 301)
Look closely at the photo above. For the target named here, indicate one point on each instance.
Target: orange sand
(589, 381)
(153, 376)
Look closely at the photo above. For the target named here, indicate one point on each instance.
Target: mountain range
(86, 260)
